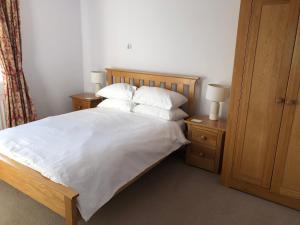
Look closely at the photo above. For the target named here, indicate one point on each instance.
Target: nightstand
(207, 143)
(84, 101)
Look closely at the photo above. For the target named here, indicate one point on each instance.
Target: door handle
(279, 100)
(291, 102)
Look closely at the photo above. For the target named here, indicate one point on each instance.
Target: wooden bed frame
(62, 199)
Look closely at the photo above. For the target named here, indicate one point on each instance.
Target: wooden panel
(290, 184)
(85, 101)
(127, 80)
(286, 179)
(117, 77)
(202, 151)
(236, 89)
(202, 157)
(265, 76)
(71, 213)
(265, 193)
(169, 85)
(35, 185)
(204, 137)
(180, 88)
(109, 77)
(80, 104)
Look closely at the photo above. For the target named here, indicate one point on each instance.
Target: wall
(194, 37)
(52, 53)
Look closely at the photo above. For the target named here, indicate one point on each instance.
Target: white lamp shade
(98, 77)
(217, 93)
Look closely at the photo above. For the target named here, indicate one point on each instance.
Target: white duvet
(94, 151)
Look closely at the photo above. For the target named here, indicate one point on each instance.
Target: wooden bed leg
(71, 211)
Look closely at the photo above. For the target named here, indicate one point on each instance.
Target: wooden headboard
(179, 83)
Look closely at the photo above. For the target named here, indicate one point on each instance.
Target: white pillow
(121, 105)
(175, 114)
(122, 91)
(159, 97)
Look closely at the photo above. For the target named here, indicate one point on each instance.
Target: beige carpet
(171, 194)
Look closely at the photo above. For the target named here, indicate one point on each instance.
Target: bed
(53, 180)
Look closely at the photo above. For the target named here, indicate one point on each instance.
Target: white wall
(176, 36)
(52, 53)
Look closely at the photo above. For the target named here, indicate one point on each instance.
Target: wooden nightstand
(84, 101)
(207, 137)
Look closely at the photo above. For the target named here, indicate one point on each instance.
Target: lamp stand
(97, 87)
(214, 110)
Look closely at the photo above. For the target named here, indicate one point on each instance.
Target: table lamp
(99, 79)
(216, 93)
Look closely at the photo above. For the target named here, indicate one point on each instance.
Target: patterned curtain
(18, 105)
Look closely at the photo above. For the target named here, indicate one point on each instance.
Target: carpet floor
(170, 194)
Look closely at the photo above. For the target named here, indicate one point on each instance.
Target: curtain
(18, 105)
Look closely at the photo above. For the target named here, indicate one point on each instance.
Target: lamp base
(97, 88)
(214, 111)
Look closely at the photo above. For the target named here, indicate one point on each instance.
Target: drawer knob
(204, 138)
(291, 102)
(201, 154)
(279, 100)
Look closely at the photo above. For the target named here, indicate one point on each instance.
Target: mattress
(94, 151)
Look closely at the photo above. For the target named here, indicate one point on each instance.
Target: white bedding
(94, 151)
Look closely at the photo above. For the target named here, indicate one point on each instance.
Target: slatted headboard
(179, 83)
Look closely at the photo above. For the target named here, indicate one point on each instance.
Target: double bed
(80, 160)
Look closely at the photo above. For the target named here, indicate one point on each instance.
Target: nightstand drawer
(203, 137)
(201, 151)
(201, 157)
(85, 101)
(79, 104)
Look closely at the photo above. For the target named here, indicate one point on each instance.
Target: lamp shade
(98, 77)
(217, 92)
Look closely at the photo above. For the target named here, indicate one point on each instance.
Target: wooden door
(286, 176)
(269, 50)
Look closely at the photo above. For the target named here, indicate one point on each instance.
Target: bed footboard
(59, 198)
